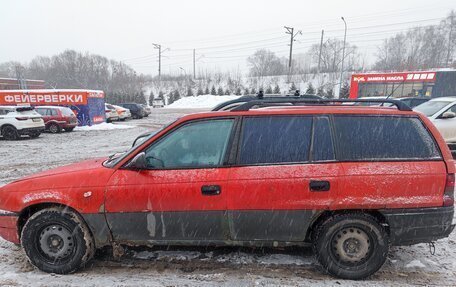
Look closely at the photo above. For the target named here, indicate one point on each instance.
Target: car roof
(51, 107)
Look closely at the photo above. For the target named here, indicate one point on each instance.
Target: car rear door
(284, 173)
(181, 195)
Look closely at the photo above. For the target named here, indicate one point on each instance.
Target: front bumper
(8, 227)
(419, 225)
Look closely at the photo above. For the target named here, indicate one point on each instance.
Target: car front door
(447, 126)
(180, 196)
(285, 172)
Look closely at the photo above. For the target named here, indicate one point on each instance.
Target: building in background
(88, 105)
(404, 84)
(15, 84)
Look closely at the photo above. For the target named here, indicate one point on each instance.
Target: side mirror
(138, 162)
(448, 115)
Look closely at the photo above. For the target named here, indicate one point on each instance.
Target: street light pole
(343, 57)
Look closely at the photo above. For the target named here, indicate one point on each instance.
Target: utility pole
(290, 31)
(450, 39)
(321, 48)
(194, 64)
(157, 46)
(343, 58)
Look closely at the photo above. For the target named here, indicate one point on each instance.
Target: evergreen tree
(213, 91)
(320, 91)
(253, 91)
(268, 90)
(310, 89)
(293, 86)
(199, 92)
(344, 91)
(238, 92)
(330, 93)
(206, 91)
(276, 89)
(189, 92)
(220, 91)
(227, 92)
(246, 92)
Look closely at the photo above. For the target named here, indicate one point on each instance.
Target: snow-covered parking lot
(162, 266)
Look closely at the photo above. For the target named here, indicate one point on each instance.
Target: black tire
(54, 128)
(351, 246)
(56, 240)
(69, 130)
(34, 134)
(10, 133)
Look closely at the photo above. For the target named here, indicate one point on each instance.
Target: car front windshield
(431, 107)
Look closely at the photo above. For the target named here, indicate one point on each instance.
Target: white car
(17, 120)
(111, 113)
(122, 112)
(442, 112)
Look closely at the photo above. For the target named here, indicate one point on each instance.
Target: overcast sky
(223, 32)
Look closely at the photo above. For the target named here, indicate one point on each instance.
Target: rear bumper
(419, 225)
(28, 131)
(8, 227)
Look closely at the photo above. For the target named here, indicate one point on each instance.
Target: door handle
(319, 185)
(211, 189)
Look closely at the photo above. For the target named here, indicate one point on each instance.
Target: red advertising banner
(47, 97)
(395, 77)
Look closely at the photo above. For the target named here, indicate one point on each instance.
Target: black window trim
(227, 152)
(441, 158)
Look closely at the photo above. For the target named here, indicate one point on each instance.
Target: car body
(158, 103)
(442, 112)
(335, 177)
(147, 110)
(57, 118)
(122, 112)
(111, 113)
(16, 121)
(137, 110)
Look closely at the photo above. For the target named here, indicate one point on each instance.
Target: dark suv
(137, 110)
(350, 181)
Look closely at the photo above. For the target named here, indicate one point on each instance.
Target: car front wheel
(56, 240)
(351, 246)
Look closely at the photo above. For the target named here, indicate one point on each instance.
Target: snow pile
(201, 102)
(103, 127)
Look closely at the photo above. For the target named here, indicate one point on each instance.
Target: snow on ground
(203, 101)
(103, 127)
(187, 266)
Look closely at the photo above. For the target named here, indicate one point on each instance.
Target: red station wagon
(350, 181)
(57, 119)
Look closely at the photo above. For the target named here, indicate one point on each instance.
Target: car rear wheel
(10, 133)
(56, 240)
(54, 128)
(351, 246)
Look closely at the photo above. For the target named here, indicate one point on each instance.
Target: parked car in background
(147, 110)
(442, 112)
(111, 113)
(122, 112)
(158, 103)
(409, 101)
(137, 111)
(57, 119)
(16, 121)
(414, 101)
(348, 181)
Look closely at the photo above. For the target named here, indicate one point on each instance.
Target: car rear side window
(322, 146)
(276, 139)
(383, 138)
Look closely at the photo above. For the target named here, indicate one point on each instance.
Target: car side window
(194, 145)
(322, 146)
(383, 138)
(452, 109)
(53, 112)
(275, 139)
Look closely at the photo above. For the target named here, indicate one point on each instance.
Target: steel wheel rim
(53, 129)
(56, 243)
(351, 246)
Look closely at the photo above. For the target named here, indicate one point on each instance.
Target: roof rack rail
(275, 102)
